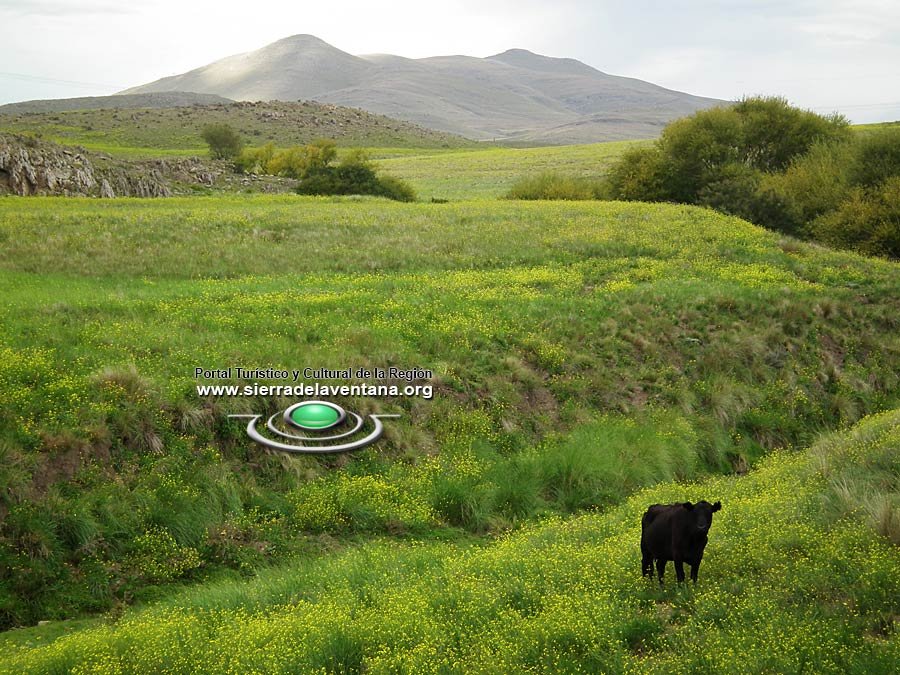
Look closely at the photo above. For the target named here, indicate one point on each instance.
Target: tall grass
(784, 587)
(860, 468)
(600, 463)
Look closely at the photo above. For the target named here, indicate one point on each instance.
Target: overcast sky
(823, 55)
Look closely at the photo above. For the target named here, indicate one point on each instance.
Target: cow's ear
(688, 506)
(717, 506)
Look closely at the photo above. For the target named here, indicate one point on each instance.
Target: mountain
(513, 96)
(166, 99)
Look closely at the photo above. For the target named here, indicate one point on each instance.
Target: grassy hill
(176, 130)
(795, 579)
(581, 352)
(165, 99)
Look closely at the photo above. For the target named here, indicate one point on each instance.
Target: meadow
(582, 351)
(485, 173)
(590, 358)
(795, 580)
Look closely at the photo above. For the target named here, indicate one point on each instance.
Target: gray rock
(29, 166)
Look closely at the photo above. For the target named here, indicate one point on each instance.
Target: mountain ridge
(162, 99)
(514, 95)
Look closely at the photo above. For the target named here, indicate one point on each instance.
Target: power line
(826, 78)
(53, 80)
(857, 105)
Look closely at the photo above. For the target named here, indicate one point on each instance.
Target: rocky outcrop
(134, 181)
(29, 166)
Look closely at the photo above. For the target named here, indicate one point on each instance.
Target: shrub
(877, 158)
(738, 190)
(303, 161)
(312, 165)
(815, 183)
(396, 189)
(638, 176)
(224, 142)
(731, 191)
(693, 150)
(784, 168)
(355, 175)
(295, 162)
(551, 185)
(255, 160)
(868, 222)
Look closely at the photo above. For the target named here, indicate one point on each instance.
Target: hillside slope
(516, 94)
(179, 128)
(580, 351)
(165, 99)
(785, 587)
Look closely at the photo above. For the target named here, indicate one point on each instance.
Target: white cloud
(61, 7)
(818, 54)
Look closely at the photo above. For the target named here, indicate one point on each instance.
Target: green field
(490, 172)
(590, 358)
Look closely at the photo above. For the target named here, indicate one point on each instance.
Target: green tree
(761, 134)
(773, 132)
(223, 141)
(695, 149)
(817, 182)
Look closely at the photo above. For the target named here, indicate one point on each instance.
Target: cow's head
(702, 513)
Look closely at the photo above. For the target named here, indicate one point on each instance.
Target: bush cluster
(777, 166)
(313, 166)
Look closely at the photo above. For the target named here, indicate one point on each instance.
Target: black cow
(675, 532)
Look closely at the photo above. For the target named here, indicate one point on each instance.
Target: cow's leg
(679, 570)
(694, 569)
(660, 568)
(646, 563)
